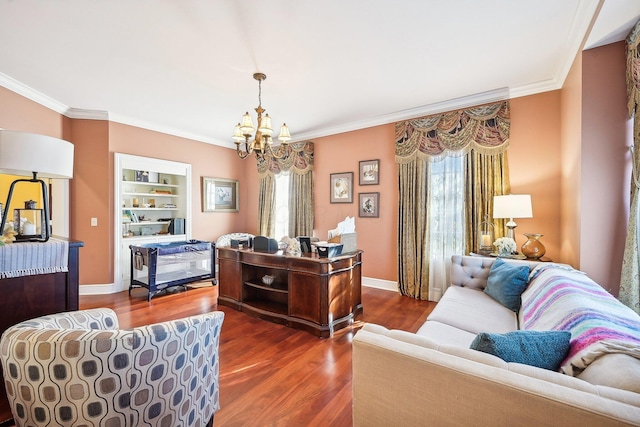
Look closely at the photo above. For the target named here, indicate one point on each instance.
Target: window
(446, 219)
(282, 205)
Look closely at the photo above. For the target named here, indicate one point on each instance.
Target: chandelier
(262, 142)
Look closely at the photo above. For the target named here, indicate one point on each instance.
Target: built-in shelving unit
(153, 205)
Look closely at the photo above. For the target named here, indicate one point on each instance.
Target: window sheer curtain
(629, 293)
(299, 163)
(442, 201)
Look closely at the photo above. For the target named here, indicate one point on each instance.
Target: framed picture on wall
(370, 172)
(369, 205)
(219, 195)
(341, 187)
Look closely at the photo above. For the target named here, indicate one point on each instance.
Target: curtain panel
(629, 293)
(481, 134)
(297, 159)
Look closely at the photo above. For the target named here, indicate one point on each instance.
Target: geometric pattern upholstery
(79, 369)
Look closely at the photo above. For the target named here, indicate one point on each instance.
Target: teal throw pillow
(506, 283)
(544, 349)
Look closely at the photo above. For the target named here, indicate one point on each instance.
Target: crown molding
(131, 121)
(439, 107)
(79, 113)
(32, 94)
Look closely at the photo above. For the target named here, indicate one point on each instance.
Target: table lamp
(38, 156)
(512, 206)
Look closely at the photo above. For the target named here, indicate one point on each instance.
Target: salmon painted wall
(377, 237)
(605, 178)
(92, 197)
(534, 165)
(571, 153)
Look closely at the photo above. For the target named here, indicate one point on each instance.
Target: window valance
(484, 128)
(299, 159)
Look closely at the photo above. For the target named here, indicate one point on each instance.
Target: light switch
(94, 222)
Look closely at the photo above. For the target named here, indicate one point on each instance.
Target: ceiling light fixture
(262, 142)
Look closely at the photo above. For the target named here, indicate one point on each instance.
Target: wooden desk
(26, 297)
(318, 295)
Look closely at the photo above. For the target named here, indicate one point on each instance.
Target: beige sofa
(432, 377)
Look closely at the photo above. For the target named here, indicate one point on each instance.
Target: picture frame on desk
(220, 195)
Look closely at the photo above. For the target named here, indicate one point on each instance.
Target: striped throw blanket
(561, 298)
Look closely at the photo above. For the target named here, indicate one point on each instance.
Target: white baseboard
(105, 289)
(98, 289)
(387, 285)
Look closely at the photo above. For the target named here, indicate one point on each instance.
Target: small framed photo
(370, 172)
(219, 195)
(341, 187)
(142, 176)
(369, 205)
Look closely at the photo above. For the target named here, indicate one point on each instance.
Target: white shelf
(150, 184)
(142, 223)
(149, 209)
(150, 195)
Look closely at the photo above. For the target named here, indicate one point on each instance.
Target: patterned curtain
(481, 134)
(630, 279)
(301, 204)
(266, 206)
(298, 160)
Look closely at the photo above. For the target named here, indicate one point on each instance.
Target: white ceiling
(185, 67)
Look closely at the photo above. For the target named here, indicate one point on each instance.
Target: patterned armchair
(79, 369)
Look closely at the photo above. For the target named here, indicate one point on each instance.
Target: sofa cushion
(544, 349)
(473, 311)
(614, 370)
(506, 282)
(446, 334)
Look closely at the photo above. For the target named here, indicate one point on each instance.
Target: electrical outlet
(94, 222)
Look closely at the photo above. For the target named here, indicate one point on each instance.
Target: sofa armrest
(398, 383)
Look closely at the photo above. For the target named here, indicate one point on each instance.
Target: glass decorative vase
(533, 247)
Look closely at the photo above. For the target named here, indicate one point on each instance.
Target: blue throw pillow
(544, 349)
(506, 282)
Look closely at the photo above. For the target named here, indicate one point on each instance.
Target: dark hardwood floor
(271, 375)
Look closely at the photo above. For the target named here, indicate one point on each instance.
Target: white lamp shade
(512, 206)
(23, 153)
(265, 126)
(284, 136)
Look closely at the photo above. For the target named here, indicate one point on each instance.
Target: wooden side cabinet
(26, 297)
(318, 295)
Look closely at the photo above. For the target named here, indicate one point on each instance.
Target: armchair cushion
(73, 368)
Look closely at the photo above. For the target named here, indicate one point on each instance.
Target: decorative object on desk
(512, 206)
(262, 142)
(28, 222)
(268, 279)
(341, 187)
(369, 205)
(265, 244)
(292, 246)
(533, 247)
(219, 195)
(485, 237)
(305, 244)
(329, 250)
(48, 158)
(369, 172)
(506, 246)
